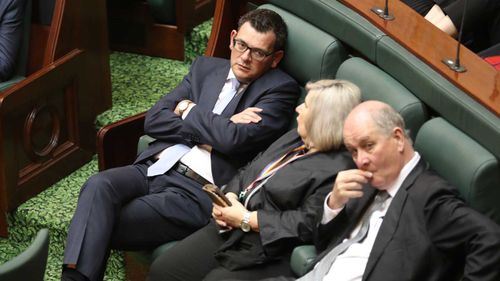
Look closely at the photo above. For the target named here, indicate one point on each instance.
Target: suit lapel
(391, 219)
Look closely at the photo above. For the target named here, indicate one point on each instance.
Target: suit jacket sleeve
(161, 122)
(458, 229)
(293, 221)
(223, 135)
(11, 32)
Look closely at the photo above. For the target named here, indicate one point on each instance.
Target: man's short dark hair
(264, 20)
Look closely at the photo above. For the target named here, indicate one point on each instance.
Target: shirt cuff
(329, 213)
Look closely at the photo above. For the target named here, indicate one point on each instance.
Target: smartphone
(216, 195)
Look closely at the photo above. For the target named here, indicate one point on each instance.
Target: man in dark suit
(11, 32)
(220, 116)
(422, 231)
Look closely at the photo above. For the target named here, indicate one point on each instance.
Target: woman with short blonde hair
(330, 102)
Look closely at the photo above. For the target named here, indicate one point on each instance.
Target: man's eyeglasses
(257, 54)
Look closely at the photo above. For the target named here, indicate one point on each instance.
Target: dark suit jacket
(233, 144)
(428, 233)
(287, 202)
(11, 32)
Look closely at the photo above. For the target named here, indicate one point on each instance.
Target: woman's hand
(230, 217)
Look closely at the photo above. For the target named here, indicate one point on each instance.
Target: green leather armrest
(302, 258)
(31, 263)
(143, 143)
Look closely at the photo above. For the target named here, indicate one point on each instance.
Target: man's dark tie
(324, 265)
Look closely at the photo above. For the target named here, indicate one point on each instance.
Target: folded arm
(226, 136)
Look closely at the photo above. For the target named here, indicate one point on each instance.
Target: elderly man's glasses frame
(256, 53)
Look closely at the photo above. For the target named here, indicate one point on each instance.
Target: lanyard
(271, 169)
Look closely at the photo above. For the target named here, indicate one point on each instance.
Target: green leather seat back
(163, 11)
(375, 84)
(462, 162)
(337, 20)
(302, 258)
(440, 95)
(310, 53)
(31, 263)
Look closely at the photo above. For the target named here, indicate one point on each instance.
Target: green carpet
(137, 83)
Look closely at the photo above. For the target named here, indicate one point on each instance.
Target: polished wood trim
(481, 81)
(225, 19)
(117, 142)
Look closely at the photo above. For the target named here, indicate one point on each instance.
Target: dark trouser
(123, 209)
(193, 259)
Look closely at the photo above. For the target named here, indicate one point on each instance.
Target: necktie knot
(235, 84)
(381, 197)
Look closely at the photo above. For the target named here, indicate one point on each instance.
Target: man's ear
(277, 56)
(399, 137)
(231, 38)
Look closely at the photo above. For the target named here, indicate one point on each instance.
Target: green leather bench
(464, 163)
(355, 32)
(461, 144)
(311, 54)
(375, 84)
(442, 97)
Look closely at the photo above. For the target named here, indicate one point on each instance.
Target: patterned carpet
(137, 82)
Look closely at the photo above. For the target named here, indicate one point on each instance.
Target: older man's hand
(348, 185)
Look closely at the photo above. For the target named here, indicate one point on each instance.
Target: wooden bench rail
(481, 81)
(117, 142)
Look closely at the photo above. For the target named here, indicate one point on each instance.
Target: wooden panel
(481, 81)
(46, 133)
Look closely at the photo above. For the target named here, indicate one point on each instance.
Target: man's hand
(348, 185)
(180, 105)
(247, 116)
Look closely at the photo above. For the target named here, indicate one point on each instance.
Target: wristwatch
(183, 106)
(245, 222)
